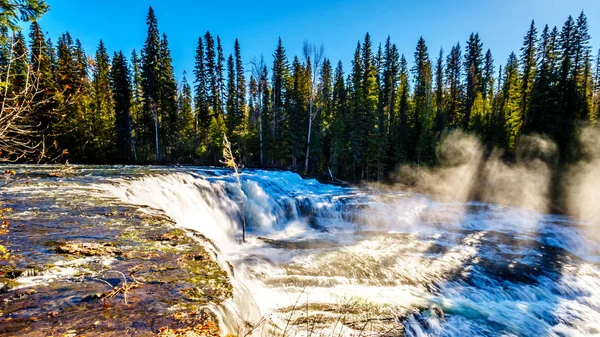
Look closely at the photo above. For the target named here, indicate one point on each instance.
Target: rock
(88, 249)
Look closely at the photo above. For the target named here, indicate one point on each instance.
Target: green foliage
(363, 124)
(16, 11)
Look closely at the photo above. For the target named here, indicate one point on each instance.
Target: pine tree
(185, 121)
(567, 90)
(473, 69)
(528, 65)
(266, 115)
(453, 83)
(388, 104)
(103, 117)
(279, 83)
(70, 129)
(220, 75)
(137, 96)
(149, 121)
(512, 102)
(167, 89)
(488, 76)
(210, 71)
(544, 106)
(402, 132)
(420, 141)
(19, 65)
(201, 101)
(581, 69)
(231, 100)
(339, 140)
(120, 77)
(43, 77)
(240, 90)
(441, 118)
(321, 136)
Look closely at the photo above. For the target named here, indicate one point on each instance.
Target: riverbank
(79, 264)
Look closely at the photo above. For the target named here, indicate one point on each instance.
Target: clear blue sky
(337, 24)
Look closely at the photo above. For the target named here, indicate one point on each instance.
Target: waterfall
(338, 261)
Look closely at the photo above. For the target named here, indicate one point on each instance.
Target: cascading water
(326, 260)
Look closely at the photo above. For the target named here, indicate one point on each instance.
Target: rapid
(323, 260)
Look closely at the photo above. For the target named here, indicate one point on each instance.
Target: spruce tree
(454, 85)
(441, 118)
(220, 75)
(185, 121)
(149, 121)
(528, 65)
(240, 90)
(231, 100)
(279, 82)
(103, 116)
(545, 107)
(402, 132)
(210, 71)
(167, 107)
(201, 102)
(43, 77)
(339, 140)
(137, 95)
(420, 141)
(120, 76)
(512, 107)
(473, 69)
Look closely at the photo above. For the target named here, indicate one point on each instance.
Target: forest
(304, 113)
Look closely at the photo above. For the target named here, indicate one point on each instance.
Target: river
(323, 260)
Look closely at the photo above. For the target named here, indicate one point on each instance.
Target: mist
(582, 185)
(466, 173)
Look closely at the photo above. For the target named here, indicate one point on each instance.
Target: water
(333, 261)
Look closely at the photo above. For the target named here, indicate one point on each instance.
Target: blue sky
(338, 25)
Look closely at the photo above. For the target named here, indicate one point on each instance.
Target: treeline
(303, 112)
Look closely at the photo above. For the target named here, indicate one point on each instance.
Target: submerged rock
(128, 272)
(88, 249)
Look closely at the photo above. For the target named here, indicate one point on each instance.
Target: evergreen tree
(120, 76)
(240, 90)
(43, 77)
(103, 117)
(545, 107)
(220, 74)
(402, 132)
(167, 107)
(137, 95)
(581, 68)
(567, 90)
(321, 138)
(388, 104)
(185, 121)
(441, 118)
(473, 69)
(19, 65)
(488, 76)
(512, 102)
(231, 101)
(148, 137)
(420, 142)
(528, 66)
(279, 84)
(210, 71)
(453, 83)
(201, 101)
(339, 140)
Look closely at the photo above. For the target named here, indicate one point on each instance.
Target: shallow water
(333, 261)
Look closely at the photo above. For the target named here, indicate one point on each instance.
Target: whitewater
(323, 260)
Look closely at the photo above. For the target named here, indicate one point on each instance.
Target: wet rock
(88, 249)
